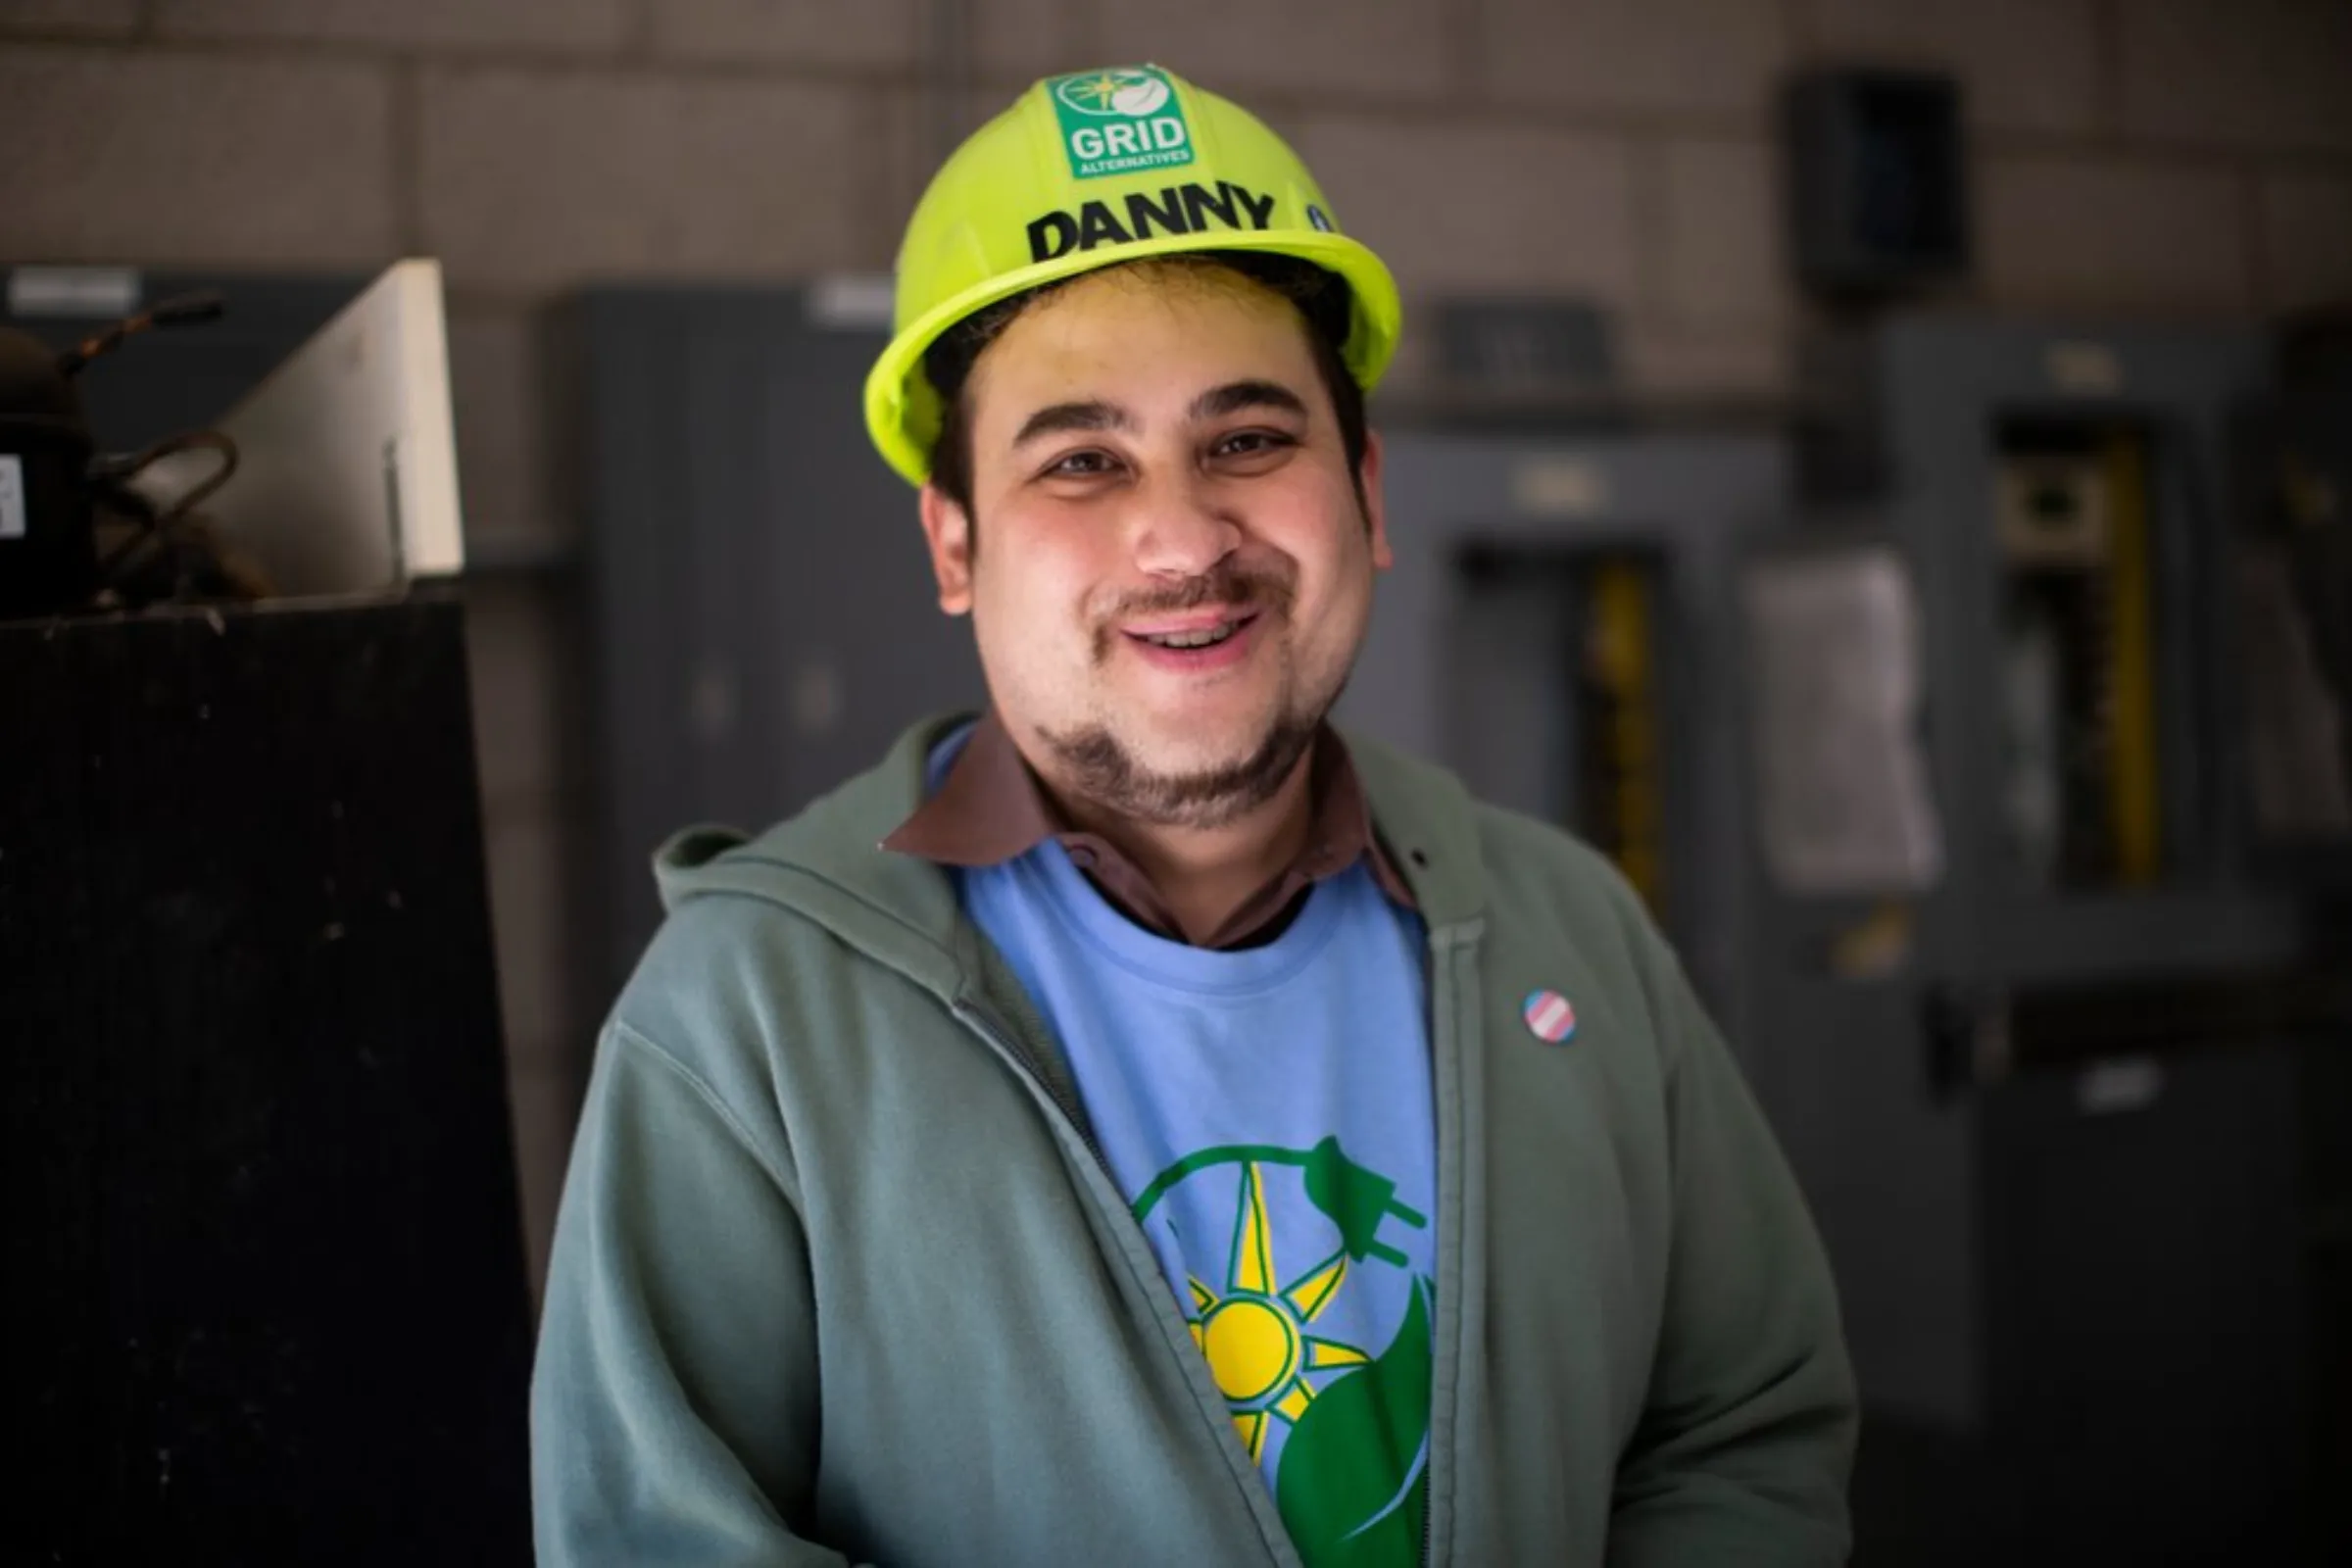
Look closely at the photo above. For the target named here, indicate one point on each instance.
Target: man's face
(1175, 571)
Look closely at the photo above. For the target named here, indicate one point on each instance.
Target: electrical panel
(2054, 1106)
(1558, 629)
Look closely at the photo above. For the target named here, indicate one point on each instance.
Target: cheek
(1325, 536)
(1036, 574)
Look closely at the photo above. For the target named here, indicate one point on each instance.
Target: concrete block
(2023, 65)
(2109, 233)
(1017, 41)
(2274, 72)
(913, 144)
(1456, 209)
(542, 1101)
(530, 886)
(194, 158)
(1386, 48)
(500, 396)
(1287, 120)
(93, 18)
(882, 33)
(2306, 240)
(514, 643)
(1721, 257)
(558, 24)
(1673, 358)
(542, 180)
(1713, 56)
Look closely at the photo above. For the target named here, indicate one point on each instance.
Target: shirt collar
(989, 809)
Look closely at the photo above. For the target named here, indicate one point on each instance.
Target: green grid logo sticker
(1119, 122)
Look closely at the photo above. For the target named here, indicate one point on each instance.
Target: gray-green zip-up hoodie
(839, 1277)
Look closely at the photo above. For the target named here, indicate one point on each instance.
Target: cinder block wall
(2177, 158)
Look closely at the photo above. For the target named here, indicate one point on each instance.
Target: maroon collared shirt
(991, 808)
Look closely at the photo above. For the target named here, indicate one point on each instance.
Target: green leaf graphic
(1349, 1455)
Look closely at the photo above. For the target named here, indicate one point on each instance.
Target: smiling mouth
(1197, 637)
(1203, 638)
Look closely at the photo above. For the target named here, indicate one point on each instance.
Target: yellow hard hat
(1091, 169)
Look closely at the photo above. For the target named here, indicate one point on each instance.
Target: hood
(828, 864)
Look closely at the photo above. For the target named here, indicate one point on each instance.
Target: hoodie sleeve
(1748, 1433)
(668, 1425)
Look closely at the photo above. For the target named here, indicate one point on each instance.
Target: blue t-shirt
(1266, 1112)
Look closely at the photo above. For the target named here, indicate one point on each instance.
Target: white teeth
(1207, 637)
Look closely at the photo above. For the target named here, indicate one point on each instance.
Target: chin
(1178, 773)
(1191, 743)
(1149, 755)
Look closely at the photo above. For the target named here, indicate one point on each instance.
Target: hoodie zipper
(1008, 1045)
(1429, 1476)
(1443, 986)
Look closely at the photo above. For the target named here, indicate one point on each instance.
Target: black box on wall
(1876, 168)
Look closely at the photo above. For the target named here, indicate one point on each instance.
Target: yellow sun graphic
(1254, 1334)
(1103, 89)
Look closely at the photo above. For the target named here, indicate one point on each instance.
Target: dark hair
(1322, 299)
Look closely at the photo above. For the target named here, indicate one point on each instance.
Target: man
(1142, 1125)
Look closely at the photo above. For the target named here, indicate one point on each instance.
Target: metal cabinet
(269, 1301)
(2057, 1150)
(1559, 629)
(759, 608)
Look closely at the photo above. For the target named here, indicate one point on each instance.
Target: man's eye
(1250, 443)
(1081, 465)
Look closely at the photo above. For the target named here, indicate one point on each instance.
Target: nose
(1182, 530)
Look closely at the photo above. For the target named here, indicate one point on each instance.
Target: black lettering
(1054, 234)
(1096, 226)
(1200, 201)
(1259, 208)
(1143, 213)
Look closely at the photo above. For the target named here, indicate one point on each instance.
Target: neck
(1205, 874)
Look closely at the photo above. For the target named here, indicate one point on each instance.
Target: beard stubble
(1093, 762)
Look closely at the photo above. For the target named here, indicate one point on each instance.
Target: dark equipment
(2316, 493)
(269, 1302)
(2073, 1151)
(50, 486)
(1878, 179)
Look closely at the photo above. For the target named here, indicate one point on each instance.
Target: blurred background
(1877, 467)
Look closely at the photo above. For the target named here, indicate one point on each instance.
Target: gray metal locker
(761, 612)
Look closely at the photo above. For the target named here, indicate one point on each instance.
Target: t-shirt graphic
(1336, 1416)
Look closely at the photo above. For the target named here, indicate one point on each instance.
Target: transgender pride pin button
(1548, 1017)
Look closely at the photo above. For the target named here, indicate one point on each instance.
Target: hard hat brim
(903, 413)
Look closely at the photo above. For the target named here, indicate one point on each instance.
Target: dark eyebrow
(1057, 417)
(1235, 396)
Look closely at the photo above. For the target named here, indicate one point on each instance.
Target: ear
(1376, 508)
(948, 530)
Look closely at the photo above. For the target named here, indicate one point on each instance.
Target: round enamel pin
(1548, 1017)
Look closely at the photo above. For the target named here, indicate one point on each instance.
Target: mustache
(1226, 583)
